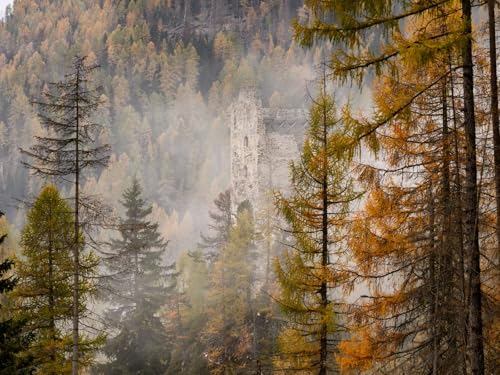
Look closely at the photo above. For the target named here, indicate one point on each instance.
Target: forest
(133, 240)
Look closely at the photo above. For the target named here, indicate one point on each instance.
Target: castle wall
(281, 150)
(246, 132)
(263, 143)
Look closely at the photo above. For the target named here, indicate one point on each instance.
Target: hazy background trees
(410, 269)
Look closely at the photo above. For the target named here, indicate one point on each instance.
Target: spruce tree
(137, 287)
(309, 270)
(45, 290)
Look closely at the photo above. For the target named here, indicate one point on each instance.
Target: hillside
(168, 71)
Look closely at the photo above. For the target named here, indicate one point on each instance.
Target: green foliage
(13, 339)
(309, 270)
(369, 34)
(8, 283)
(185, 316)
(137, 286)
(228, 332)
(370, 38)
(44, 290)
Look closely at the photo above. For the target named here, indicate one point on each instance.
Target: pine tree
(137, 285)
(68, 150)
(312, 265)
(44, 291)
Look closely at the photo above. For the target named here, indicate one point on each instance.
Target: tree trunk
(323, 362)
(76, 245)
(458, 230)
(494, 112)
(471, 214)
(136, 275)
(434, 285)
(52, 323)
(450, 306)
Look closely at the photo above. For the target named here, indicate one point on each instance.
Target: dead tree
(68, 148)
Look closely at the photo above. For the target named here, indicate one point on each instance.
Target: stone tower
(263, 142)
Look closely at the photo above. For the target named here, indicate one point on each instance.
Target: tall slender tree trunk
(494, 111)
(76, 248)
(136, 275)
(434, 287)
(268, 234)
(458, 230)
(323, 362)
(224, 319)
(52, 323)
(471, 214)
(448, 272)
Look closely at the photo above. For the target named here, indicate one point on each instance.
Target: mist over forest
(249, 187)
(166, 82)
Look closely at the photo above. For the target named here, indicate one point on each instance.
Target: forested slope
(168, 72)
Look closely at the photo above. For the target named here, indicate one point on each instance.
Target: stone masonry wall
(263, 142)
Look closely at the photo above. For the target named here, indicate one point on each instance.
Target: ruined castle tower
(263, 142)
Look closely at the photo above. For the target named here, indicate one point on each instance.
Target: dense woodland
(123, 252)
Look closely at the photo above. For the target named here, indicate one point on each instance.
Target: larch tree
(136, 287)
(406, 240)
(228, 332)
(67, 150)
(312, 266)
(349, 26)
(185, 316)
(45, 290)
(222, 219)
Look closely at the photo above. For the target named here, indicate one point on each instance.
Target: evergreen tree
(311, 268)
(137, 285)
(13, 339)
(44, 291)
(185, 316)
(228, 332)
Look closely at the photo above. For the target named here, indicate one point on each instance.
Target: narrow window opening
(245, 141)
(245, 171)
